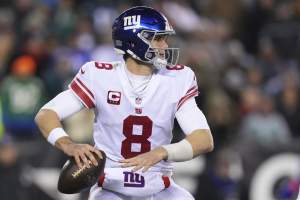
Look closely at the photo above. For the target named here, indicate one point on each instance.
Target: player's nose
(163, 44)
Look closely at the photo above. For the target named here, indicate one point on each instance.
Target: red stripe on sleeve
(86, 88)
(82, 95)
(192, 88)
(186, 97)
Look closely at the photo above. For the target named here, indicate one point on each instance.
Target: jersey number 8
(140, 139)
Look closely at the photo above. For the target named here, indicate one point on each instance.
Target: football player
(135, 103)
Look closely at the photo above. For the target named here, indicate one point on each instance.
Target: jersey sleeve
(82, 85)
(189, 87)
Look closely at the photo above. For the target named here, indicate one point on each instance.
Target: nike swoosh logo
(81, 71)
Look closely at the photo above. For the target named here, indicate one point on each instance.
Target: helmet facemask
(157, 56)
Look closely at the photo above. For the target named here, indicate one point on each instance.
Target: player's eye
(161, 37)
(148, 35)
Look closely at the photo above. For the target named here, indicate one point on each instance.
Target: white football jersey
(126, 125)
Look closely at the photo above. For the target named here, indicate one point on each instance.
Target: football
(73, 179)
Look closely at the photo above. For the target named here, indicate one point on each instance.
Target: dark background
(245, 54)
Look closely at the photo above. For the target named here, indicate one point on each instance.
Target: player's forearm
(201, 141)
(47, 120)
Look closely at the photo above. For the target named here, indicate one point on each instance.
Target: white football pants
(174, 192)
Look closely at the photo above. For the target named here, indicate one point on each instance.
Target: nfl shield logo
(138, 100)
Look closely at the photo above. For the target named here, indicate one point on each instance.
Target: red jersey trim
(85, 98)
(101, 180)
(192, 88)
(191, 94)
(86, 88)
(166, 180)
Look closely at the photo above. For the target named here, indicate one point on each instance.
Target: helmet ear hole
(150, 55)
(131, 44)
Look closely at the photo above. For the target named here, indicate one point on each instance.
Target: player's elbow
(44, 116)
(209, 142)
(202, 141)
(206, 141)
(39, 117)
(210, 145)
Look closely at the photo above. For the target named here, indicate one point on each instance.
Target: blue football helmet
(135, 29)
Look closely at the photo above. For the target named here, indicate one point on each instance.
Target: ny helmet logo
(132, 22)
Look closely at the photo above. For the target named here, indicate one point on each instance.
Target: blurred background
(245, 54)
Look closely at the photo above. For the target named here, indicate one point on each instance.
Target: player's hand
(82, 153)
(146, 160)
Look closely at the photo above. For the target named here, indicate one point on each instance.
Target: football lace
(79, 171)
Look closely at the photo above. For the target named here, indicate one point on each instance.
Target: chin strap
(159, 63)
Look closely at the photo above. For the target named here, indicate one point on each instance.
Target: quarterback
(135, 103)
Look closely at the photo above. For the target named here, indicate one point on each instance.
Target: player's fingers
(91, 158)
(136, 168)
(78, 161)
(129, 164)
(146, 168)
(84, 159)
(126, 161)
(96, 151)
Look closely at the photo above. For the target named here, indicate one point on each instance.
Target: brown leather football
(73, 179)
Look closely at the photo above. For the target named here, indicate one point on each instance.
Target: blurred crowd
(245, 53)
